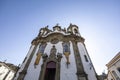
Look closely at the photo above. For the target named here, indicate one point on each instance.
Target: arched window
(66, 47)
(50, 71)
(42, 47)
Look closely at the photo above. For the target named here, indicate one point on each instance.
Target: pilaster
(80, 70)
(24, 71)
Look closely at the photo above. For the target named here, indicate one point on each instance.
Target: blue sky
(98, 21)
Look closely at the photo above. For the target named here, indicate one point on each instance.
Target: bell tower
(58, 54)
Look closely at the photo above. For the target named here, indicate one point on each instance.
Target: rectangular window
(42, 47)
(86, 59)
(66, 47)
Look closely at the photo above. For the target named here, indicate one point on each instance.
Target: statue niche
(53, 52)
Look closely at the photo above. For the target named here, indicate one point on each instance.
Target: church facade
(58, 54)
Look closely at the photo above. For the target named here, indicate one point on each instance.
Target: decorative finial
(57, 24)
(47, 26)
(70, 24)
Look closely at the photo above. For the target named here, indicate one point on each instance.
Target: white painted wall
(23, 64)
(32, 72)
(48, 48)
(86, 65)
(70, 72)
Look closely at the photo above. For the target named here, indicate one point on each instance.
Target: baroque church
(58, 54)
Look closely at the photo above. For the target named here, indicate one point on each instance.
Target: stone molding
(114, 60)
(59, 37)
(55, 58)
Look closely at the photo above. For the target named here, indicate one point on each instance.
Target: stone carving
(44, 31)
(64, 30)
(54, 41)
(52, 57)
(53, 52)
(44, 56)
(59, 56)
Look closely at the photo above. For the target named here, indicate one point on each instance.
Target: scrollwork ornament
(54, 41)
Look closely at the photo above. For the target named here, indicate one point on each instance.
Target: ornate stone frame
(39, 53)
(45, 61)
(66, 53)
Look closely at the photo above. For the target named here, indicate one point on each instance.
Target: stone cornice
(114, 60)
(59, 36)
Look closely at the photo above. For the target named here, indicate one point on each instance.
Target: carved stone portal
(54, 41)
(56, 59)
